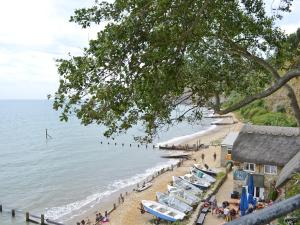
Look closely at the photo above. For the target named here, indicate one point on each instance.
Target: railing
(269, 214)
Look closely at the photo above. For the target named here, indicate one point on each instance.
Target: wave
(185, 138)
(56, 213)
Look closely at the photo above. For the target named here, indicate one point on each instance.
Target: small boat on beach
(162, 212)
(173, 202)
(174, 189)
(201, 174)
(185, 185)
(198, 182)
(144, 187)
(208, 171)
(181, 195)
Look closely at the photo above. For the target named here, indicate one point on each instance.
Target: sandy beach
(128, 213)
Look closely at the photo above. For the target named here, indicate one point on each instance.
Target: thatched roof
(268, 145)
(293, 166)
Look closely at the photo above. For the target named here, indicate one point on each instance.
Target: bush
(281, 109)
(274, 119)
(256, 112)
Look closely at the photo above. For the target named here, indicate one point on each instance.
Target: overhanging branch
(279, 83)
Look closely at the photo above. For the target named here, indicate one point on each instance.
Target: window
(249, 167)
(270, 169)
(229, 151)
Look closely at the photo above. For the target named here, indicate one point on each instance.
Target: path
(222, 195)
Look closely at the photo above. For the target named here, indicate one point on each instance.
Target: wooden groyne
(194, 147)
(29, 217)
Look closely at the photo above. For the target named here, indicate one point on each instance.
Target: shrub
(274, 119)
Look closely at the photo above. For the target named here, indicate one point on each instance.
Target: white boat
(175, 189)
(173, 202)
(181, 195)
(198, 182)
(144, 187)
(200, 174)
(186, 186)
(208, 171)
(161, 211)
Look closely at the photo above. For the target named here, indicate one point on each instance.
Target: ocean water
(68, 174)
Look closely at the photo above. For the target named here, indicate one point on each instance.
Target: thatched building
(263, 151)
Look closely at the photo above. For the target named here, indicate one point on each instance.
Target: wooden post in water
(42, 219)
(0, 208)
(13, 213)
(27, 216)
(115, 206)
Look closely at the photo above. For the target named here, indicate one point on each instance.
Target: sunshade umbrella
(251, 200)
(243, 202)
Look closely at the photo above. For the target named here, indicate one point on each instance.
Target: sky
(33, 33)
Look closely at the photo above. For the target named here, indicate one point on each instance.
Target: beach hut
(263, 151)
(226, 147)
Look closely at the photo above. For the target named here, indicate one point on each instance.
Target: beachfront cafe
(263, 151)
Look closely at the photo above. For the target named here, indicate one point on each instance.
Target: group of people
(99, 220)
(224, 210)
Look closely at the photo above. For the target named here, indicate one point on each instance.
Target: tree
(155, 55)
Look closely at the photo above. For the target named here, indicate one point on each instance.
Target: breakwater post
(0, 208)
(13, 213)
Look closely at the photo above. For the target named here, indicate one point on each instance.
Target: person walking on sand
(202, 157)
(215, 156)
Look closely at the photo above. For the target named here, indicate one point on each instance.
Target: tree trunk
(293, 102)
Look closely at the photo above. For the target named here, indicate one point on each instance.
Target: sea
(76, 168)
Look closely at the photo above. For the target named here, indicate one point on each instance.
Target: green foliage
(274, 119)
(293, 189)
(280, 109)
(257, 113)
(273, 194)
(153, 55)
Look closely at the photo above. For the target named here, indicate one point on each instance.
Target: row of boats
(182, 196)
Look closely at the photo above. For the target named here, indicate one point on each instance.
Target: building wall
(259, 169)
(224, 152)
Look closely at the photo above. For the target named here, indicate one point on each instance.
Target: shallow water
(66, 175)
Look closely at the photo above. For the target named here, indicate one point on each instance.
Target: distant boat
(173, 202)
(201, 174)
(144, 187)
(183, 184)
(198, 182)
(181, 195)
(161, 211)
(208, 171)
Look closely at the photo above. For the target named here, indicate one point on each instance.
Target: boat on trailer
(162, 212)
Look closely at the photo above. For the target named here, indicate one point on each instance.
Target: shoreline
(127, 212)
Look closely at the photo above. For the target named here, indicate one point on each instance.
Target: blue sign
(239, 175)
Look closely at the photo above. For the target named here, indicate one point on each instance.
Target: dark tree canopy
(157, 54)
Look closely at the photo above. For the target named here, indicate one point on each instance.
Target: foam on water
(57, 213)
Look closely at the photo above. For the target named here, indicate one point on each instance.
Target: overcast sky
(35, 32)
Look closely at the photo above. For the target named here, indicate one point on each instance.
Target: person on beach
(82, 222)
(214, 206)
(202, 157)
(215, 156)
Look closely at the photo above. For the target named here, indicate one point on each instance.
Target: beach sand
(128, 213)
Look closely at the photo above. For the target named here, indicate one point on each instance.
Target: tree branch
(279, 83)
